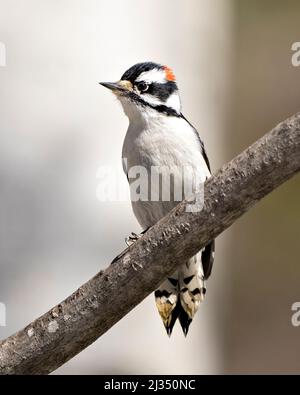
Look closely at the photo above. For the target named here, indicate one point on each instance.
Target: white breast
(162, 141)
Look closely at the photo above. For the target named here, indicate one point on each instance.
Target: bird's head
(147, 88)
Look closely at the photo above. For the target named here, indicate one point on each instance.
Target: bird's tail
(192, 290)
(167, 298)
(181, 294)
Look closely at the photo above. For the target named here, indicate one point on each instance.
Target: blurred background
(233, 64)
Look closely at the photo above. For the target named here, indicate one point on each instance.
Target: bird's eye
(142, 86)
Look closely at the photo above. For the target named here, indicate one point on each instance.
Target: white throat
(137, 112)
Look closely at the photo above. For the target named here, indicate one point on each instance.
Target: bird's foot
(132, 239)
(129, 241)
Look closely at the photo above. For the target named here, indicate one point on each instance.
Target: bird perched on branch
(161, 144)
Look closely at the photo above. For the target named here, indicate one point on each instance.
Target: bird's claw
(132, 239)
(129, 241)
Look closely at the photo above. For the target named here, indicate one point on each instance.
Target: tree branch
(94, 308)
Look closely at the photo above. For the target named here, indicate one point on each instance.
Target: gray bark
(94, 308)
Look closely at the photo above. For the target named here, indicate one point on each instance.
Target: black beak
(114, 86)
(120, 86)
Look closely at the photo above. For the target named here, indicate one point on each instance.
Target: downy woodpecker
(160, 138)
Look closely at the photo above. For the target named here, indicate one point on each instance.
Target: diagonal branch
(94, 308)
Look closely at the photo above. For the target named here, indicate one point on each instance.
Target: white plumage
(157, 140)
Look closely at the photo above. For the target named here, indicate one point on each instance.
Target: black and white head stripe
(154, 85)
(140, 70)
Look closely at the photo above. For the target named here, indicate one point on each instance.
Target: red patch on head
(170, 76)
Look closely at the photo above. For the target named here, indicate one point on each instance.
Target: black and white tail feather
(180, 296)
